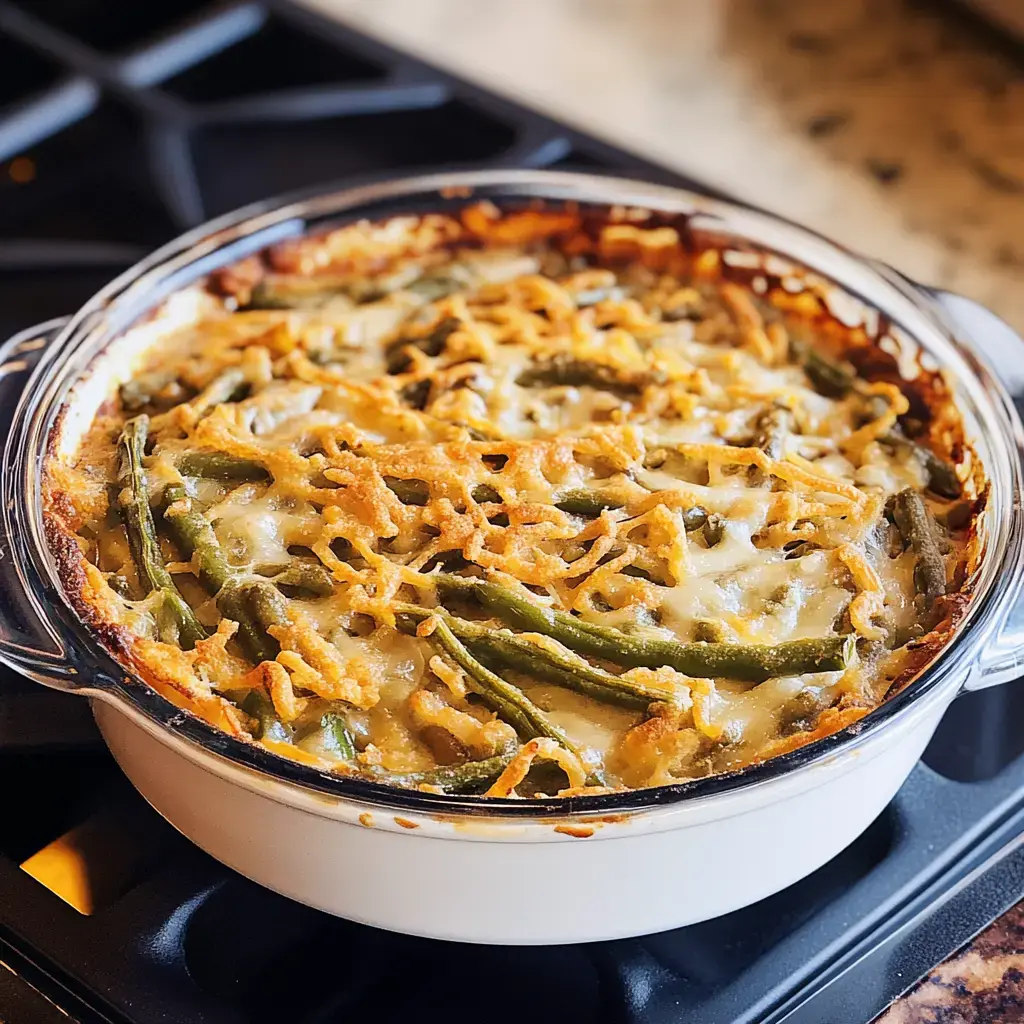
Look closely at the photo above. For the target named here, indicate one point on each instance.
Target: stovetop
(121, 125)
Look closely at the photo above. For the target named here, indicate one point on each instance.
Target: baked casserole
(534, 500)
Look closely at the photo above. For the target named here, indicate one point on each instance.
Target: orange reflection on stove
(97, 862)
(22, 170)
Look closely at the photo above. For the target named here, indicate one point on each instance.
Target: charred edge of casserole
(59, 515)
(920, 653)
(60, 522)
(849, 712)
(927, 393)
(118, 641)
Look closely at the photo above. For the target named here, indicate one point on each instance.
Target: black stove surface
(122, 125)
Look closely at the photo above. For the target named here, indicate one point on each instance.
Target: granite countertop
(890, 126)
(982, 984)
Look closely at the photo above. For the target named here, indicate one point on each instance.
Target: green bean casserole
(522, 501)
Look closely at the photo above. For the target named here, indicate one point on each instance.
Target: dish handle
(29, 641)
(1003, 658)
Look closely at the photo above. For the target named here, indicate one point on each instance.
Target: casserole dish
(414, 861)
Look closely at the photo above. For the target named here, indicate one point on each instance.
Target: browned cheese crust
(680, 456)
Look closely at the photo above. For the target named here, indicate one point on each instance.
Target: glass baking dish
(51, 374)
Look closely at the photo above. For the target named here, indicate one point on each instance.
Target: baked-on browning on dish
(543, 500)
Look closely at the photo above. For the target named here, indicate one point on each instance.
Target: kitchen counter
(896, 128)
(983, 984)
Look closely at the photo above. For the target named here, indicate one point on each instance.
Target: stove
(121, 125)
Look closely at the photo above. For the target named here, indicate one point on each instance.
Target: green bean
(229, 385)
(194, 535)
(449, 561)
(483, 493)
(576, 551)
(255, 606)
(221, 466)
(710, 631)
(259, 706)
(265, 296)
(335, 726)
(506, 652)
(773, 429)
(834, 379)
(751, 663)
(308, 576)
(506, 700)
(588, 504)
(694, 518)
(828, 376)
(408, 492)
(417, 492)
(714, 529)
(918, 527)
(180, 625)
(434, 287)
(397, 358)
(234, 604)
(500, 649)
(142, 390)
(470, 777)
(269, 607)
(297, 293)
(636, 571)
(564, 371)
(329, 737)
(942, 478)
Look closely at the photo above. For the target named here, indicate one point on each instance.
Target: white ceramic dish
(511, 871)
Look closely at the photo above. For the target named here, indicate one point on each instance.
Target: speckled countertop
(887, 125)
(892, 126)
(982, 984)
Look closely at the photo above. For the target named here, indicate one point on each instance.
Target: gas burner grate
(122, 125)
(277, 57)
(111, 28)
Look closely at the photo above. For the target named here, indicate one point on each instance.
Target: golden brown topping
(526, 501)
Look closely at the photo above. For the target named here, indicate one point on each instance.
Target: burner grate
(283, 154)
(274, 58)
(23, 72)
(112, 27)
(122, 128)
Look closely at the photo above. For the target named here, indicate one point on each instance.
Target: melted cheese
(422, 404)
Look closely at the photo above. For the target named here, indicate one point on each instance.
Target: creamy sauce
(439, 411)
